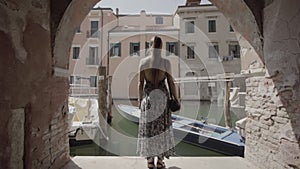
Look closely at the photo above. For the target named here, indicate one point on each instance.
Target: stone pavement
(108, 162)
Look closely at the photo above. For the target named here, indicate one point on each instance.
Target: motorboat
(200, 133)
(83, 120)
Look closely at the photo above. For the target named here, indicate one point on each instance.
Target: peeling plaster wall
(33, 103)
(250, 61)
(273, 101)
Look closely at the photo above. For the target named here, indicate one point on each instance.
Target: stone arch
(272, 100)
(246, 18)
(40, 93)
(250, 20)
(63, 34)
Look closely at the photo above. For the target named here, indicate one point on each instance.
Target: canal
(123, 133)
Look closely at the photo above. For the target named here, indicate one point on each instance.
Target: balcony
(92, 34)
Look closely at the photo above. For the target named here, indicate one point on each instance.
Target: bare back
(155, 72)
(155, 76)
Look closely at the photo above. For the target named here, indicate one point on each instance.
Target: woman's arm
(170, 79)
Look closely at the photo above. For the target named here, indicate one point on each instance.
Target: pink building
(120, 40)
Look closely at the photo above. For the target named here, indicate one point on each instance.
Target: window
(78, 29)
(147, 47)
(189, 26)
(172, 48)
(115, 49)
(94, 29)
(212, 26)
(93, 56)
(76, 51)
(190, 52)
(230, 29)
(234, 50)
(135, 48)
(159, 20)
(75, 80)
(213, 51)
(93, 81)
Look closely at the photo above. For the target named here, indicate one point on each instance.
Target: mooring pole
(109, 101)
(102, 99)
(227, 114)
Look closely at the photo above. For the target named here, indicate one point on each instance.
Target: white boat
(83, 119)
(202, 134)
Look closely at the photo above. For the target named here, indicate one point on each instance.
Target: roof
(147, 28)
(202, 7)
(98, 8)
(153, 15)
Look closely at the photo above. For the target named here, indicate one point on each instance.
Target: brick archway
(33, 105)
(255, 22)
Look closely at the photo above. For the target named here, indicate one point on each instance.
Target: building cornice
(197, 9)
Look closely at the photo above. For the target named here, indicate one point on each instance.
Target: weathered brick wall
(47, 144)
(271, 141)
(273, 101)
(33, 127)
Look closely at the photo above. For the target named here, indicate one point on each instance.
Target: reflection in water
(123, 133)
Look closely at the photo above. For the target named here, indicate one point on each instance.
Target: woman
(155, 137)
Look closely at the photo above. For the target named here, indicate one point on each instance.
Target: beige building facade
(209, 47)
(89, 50)
(121, 41)
(197, 40)
(130, 42)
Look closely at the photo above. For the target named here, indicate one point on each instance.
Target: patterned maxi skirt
(155, 134)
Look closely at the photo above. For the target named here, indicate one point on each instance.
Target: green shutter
(131, 49)
(168, 48)
(139, 48)
(120, 49)
(176, 48)
(111, 49)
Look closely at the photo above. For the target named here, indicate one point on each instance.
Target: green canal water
(122, 134)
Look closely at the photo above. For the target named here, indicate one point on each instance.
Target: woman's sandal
(160, 164)
(151, 163)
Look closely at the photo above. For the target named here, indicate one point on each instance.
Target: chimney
(117, 14)
(192, 2)
(117, 11)
(143, 13)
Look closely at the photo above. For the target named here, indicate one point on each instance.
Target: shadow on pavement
(71, 165)
(173, 167)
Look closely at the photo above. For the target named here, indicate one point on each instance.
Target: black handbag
(173, 103)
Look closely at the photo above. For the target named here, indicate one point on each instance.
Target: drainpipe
(179, 70)
(102, 23)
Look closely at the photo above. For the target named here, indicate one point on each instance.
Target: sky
(151, 6)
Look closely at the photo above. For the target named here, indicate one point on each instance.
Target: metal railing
(79, 90)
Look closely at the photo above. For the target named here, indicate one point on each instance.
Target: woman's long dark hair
(157, 42)
(156, 46)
